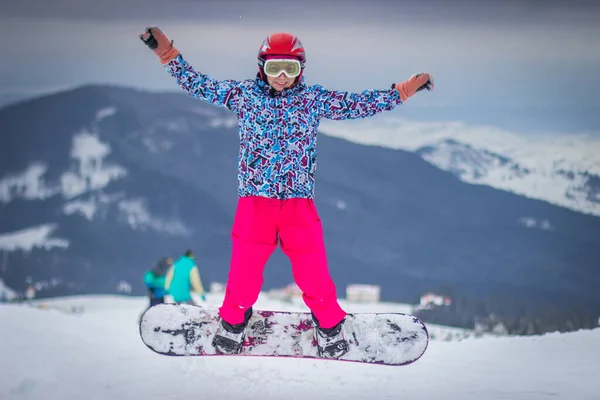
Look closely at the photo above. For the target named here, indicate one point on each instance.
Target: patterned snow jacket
(278, 130)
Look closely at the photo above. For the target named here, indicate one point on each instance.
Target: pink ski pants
(259, 225)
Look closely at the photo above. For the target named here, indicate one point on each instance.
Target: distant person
(183, 278)
(155, 281)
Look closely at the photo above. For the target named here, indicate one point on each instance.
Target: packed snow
(89, 347)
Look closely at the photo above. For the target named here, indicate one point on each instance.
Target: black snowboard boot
(331, 342)
(230, 338)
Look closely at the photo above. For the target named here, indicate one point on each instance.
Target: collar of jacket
(267, 89)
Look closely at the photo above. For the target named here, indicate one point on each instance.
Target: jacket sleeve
(169, 278)
(345, 105)
(149, 279)
(195, 281)
(224, 93)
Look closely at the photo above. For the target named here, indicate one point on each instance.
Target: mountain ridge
(143, 174)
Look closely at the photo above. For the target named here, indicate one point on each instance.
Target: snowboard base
(374, 338)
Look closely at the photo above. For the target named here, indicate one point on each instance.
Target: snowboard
(375, 338)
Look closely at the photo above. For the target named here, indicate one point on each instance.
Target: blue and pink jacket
(278, 130)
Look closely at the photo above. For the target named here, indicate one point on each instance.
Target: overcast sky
(506, 52)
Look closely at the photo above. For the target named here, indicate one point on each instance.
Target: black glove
(149, 39)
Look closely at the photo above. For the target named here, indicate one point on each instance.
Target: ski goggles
(275, 66)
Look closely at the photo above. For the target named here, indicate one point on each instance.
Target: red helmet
(281, 44)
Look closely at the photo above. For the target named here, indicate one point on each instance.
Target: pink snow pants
(259, 225)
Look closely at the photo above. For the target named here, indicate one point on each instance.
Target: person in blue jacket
(154, 280)
(183, 278)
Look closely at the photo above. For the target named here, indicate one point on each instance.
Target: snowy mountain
(561, 169)
(99, 182)
(9, 98)
(100, 334)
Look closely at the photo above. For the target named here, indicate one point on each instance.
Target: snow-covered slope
(95, 353)
(561, 169)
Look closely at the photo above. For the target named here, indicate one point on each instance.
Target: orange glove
(413, 85)
(160, 44)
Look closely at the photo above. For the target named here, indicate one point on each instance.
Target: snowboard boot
(331, 342)
(230, 338)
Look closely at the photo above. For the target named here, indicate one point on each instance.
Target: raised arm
(196, 282)
(169, 277)
(222, 93)
(345, 105)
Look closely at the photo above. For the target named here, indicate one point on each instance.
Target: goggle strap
(262, 62)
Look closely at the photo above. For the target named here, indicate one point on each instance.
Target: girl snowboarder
(278, 117)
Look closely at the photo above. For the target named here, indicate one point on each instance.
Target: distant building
(292, 290)
(429, 300)
(493, 325)
(124, 287)
(288, 293)
(30, 292)
(217, 287)
(360, 293)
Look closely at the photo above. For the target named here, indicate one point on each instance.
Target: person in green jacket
(183, 278)
(155, 281)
